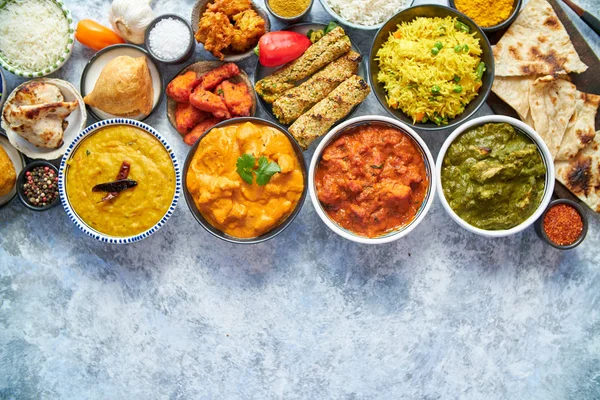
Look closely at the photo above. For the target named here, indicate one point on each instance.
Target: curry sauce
(372, 180)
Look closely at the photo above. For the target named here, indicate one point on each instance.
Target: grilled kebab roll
(317, 121)
(326, 50)
(296, 101)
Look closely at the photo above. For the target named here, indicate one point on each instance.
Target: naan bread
(124, 88)
(581, 174)
(552, 103)
(514, 91)
(536, 44)
(581, 128)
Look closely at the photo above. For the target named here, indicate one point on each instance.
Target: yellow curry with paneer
(99, 159)
(228, 202)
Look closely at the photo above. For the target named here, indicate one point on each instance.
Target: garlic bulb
(130, 18)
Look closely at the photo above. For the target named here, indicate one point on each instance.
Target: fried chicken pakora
(199, 129)
(212, 79)
(209, 102)
(229, 7)
(215, 32)
(236, 98)
(188, 116)
(180, 88)
(248, 28)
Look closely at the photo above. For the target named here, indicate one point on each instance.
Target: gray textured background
(441, 314)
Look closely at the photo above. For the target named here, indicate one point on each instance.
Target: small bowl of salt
(170, 39)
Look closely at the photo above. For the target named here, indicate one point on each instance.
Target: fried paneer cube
(229, 7)
(211, 79)
(199, 129)
(209, 102)
(248, 28)
(215, 32)
(180, 88)
(188, 116)
(237, 98)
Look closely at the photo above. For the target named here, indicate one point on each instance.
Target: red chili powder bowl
(563, 224)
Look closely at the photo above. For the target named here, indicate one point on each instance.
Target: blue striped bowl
(62, 174)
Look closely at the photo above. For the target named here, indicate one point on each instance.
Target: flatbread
(514, 91)
(552, 103)
(536, 44)
(581, 128)
(581, 174)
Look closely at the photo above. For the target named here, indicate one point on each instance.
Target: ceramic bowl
(289, 20)
(539, 228)
(336, 17)
(18, 162)
(77, 120)
(430, 11)
(429, 167)
(23, 177)
(191, 45)
(502, 25)
(199, 8)
(218, 233)
(94, 67)
(546, 158)
(62, 175)
(63, 57)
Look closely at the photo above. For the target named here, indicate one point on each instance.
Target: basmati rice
(366, 12)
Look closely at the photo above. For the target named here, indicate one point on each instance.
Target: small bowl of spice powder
(170, 39)
(37, 186)
(563, 225)
(289, 11)
(490, 15)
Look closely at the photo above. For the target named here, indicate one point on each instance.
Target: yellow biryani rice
(428, 69)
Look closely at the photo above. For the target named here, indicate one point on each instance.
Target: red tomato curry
(372, 180)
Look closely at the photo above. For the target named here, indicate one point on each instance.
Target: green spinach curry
(493, 176)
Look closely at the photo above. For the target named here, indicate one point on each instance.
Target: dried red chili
(563, 224)
(123, 174)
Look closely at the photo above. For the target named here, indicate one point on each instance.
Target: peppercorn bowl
(119, 181)
(539, 224)
(32, 188)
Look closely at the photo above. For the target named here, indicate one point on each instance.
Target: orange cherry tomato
(92, 34)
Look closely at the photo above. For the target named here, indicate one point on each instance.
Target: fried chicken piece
(237, 98)
(209, 102)
(229, 7)
(215, 32)
(199, 130)
(180, 88)
(248, 28)
(211, 79)
(188, 116)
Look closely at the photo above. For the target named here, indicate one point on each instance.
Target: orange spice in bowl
(486, 13)
(563, 224)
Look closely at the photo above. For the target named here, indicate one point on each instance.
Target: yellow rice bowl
(424, 83)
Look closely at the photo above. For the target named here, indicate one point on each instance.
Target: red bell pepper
(281, 47)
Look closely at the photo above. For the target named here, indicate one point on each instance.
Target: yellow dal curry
(98, 160)
(224, 199)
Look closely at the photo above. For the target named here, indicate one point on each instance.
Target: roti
(537, 43)
(514, 91)
(580, 130)
(552, 103)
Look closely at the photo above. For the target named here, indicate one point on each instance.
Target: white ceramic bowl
(429, 166)
(546, 157)
(337, 17)
(63, 57)
(62, 174)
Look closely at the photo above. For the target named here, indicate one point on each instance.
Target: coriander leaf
(266, 170)
(377, 166)
(244, 167)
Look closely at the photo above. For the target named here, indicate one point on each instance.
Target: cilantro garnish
(245, 169)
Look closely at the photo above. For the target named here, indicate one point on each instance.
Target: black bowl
(191, 45)
(431, 11)
(21, 180)
(539, 228)
(504, 24)
(279, 228)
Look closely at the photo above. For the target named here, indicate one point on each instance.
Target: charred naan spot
(585, 136)
(514, 53)
(535, 52)
(542, 39)
(552, 23)
(525, 69)
(578, 176)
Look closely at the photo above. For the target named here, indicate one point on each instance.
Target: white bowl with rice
(36, 36)
(364, 14)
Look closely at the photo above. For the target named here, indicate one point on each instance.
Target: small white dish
(546, 157)
(18, 162)
(335, 16)
(77, 120)
(94, 67)
(429, 167)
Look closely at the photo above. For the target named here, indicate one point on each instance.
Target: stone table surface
(440, 314)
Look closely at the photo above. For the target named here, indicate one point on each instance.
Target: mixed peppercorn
(41, 186)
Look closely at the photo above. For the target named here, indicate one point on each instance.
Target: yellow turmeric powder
(485, 13)
(288, 8)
